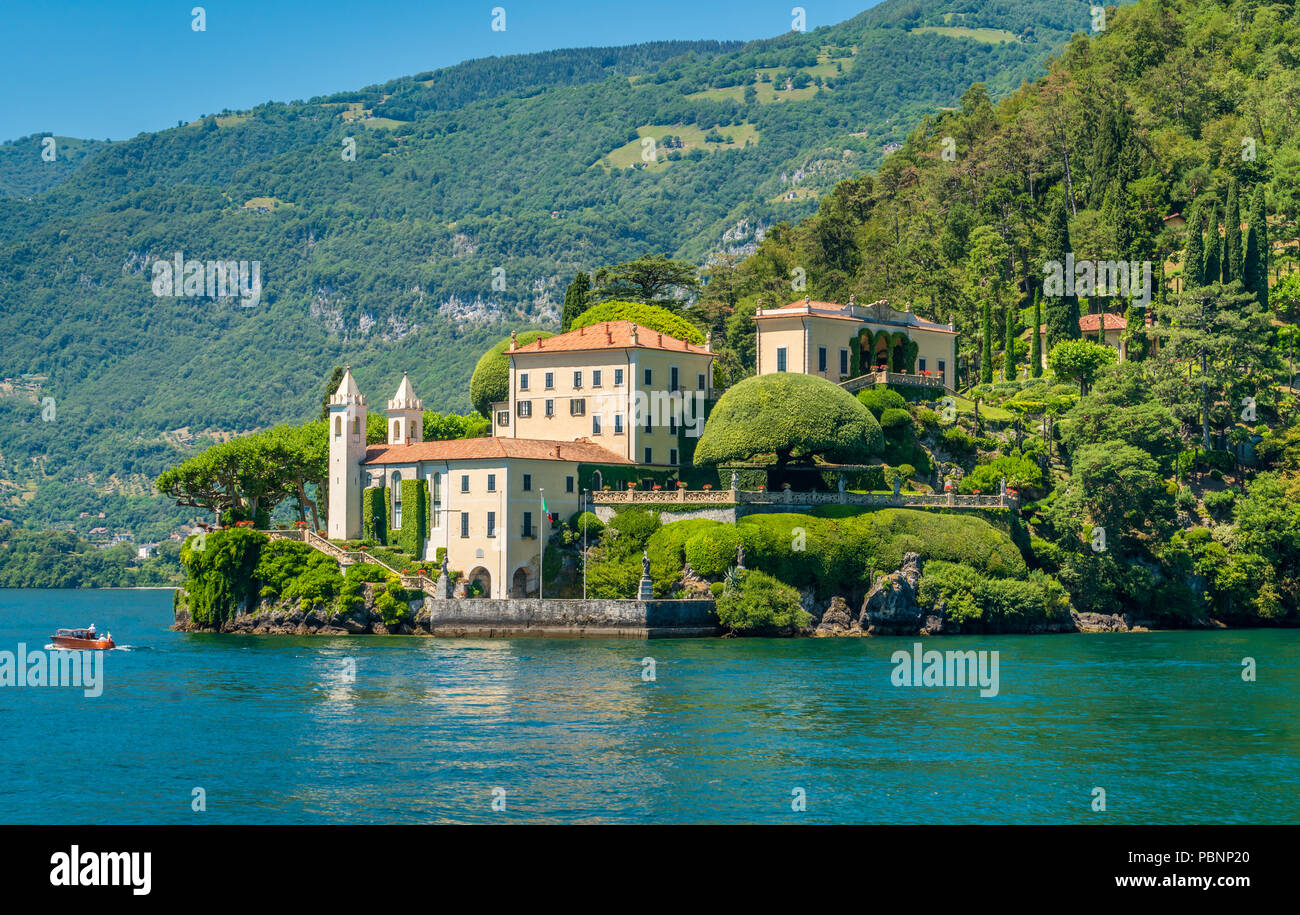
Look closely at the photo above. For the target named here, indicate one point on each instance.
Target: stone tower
(347, 433)
(405, 415)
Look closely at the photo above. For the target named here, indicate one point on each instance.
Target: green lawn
(989, 36)
(629, 154)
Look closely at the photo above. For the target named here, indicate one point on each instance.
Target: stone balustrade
(790, 497)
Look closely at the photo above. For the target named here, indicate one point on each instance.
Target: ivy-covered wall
(374, 514)
(415, 516)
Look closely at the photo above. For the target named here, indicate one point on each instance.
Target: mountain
(406, 226)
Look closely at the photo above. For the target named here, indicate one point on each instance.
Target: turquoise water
(274, 731)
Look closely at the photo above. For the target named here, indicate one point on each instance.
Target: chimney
(609, 333)
(661, 339)
(557, 452)
(582, 330)
(514, 341)
(634, 340)
(853, 300)
(708, 341)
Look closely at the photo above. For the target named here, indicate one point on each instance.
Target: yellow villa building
(842, 342)
(593, 407)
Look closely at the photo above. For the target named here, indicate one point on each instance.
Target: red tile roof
(1113, 322)
(475, 449)
(609, 335)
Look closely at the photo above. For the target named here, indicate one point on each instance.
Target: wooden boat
(83, 639)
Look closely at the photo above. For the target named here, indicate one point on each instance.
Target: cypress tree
(1062, 312)
(1009, 352)
(1194, 255)
(1210, 272)
(1101, 328)
(1250, 269)
(986, 352)
(1259, 222)
(1036, 341)
(576, 298)
(1231, 265)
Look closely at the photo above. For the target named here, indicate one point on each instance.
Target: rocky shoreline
(268, 618)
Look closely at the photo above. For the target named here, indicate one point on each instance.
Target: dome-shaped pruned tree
(790, 415)
(651, 316)
(490, 382)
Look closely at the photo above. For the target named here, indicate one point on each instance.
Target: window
(672, 425)
(672, 456)
(528, 524)
(492, 482)
(649, 421)
(464, 524)
(464, 482)
(578, 406)
(821, 359)
(338, 425)
(397, 429)
(356, 425)
(577, 380)
(550, 380)
(920, 364)
(435, 496)
(649, 456)
(568, 484)
(503, 417)
(943, 369)
(618, 377)
(528, 482)
(550, 408)
(844, 362)
(673, 381)
(780, 358)
(618, 423)
(523, 381)
(703, 383)
(649, 376)
(595, 378)
(595, 424)
(524, 409)
(492, 524)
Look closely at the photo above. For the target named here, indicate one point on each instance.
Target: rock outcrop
(890, 607)
(838, 620)
(290, 618)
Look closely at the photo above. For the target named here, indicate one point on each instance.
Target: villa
(601, 405)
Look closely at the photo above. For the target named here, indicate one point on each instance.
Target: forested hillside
(1167, 484)
(398, 227)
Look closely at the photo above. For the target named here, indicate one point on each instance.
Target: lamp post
(583, 516)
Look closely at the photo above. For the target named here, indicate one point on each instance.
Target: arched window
(338, 425)
(396, 485)
(356, 425)
(596, 481)
(397, 429)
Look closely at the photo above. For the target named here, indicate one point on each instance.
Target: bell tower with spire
(347, 431)
(405, 415)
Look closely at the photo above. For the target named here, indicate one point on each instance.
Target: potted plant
(708, 486)
(656, 487)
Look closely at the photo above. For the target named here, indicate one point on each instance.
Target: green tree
(652, 316)
(1212, 271)
(1036, 338)
(1009, 348)
(1079, 360)
(792, 416)
(1062, 310)
(336, 378)
(986, 345)
(576, 300)
(1232, 250)
(654, 279)
(1194, 253)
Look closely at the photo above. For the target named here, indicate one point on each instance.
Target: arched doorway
(523, 583)
(597, 481)
(478, 583)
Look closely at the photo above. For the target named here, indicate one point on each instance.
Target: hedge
(374, 515)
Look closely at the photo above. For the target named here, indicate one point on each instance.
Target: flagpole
(541, 574)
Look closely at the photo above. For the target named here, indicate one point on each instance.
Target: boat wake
(53, 647)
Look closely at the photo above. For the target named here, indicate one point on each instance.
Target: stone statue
(740, 556)
(842, 484)
(645, 564)
(443, 571)
(735, 480)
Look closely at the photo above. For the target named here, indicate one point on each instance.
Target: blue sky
(109, 70)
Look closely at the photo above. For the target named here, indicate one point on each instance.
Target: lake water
(274, 729)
